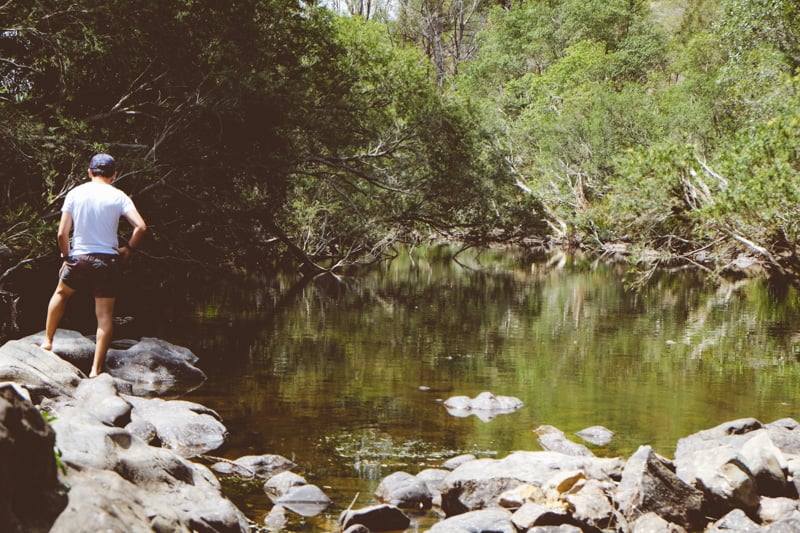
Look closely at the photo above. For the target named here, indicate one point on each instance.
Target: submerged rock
(597, 435)
(305, 500)
(263, 466)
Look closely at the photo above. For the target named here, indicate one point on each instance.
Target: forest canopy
(253, 131)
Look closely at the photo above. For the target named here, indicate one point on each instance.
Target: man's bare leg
(104, 309)
(55, 311)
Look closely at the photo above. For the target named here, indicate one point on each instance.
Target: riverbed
(346, 375)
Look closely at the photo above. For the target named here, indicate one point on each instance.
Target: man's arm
(64, 228)
(139, 229)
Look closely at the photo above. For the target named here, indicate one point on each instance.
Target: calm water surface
(346, 377)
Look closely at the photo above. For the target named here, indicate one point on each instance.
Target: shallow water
(346, 376)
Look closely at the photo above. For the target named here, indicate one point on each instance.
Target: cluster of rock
(108, 460)
(739, 476)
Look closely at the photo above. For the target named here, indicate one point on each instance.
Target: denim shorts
(97, 273)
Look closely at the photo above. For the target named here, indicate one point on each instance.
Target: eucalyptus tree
(444, 29)
(566, 84)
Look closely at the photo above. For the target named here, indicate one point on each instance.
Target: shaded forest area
(258, 131)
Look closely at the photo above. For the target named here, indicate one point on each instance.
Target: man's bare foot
(94, 374)
(46, 345)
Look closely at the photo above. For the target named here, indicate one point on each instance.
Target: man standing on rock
(92, 261)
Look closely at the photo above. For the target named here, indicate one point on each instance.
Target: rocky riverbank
(120, 453)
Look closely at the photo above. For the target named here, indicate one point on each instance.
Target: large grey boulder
(405, 491)
(733, 433)
(189, 429)
(42, 373)
(722, 476)
(648, 484)
(765, 450)
(101, 500)
(118, 482)
(478, 484)
(158, 476)
(30, 493)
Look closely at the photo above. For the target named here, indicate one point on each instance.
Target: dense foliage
(666, 125)
(254, 129)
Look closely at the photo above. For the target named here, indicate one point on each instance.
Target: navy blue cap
(104, 164)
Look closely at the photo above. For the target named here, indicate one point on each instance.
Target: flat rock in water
(187, 428)
(153, 367)
(305, 500)
(282, 484)
(485, 406)
(263, 466)
(597, 435)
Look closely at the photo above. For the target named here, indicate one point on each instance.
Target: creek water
(346, 376)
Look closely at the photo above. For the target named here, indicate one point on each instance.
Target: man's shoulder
(93, 192)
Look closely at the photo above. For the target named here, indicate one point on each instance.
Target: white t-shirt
(96, 209)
